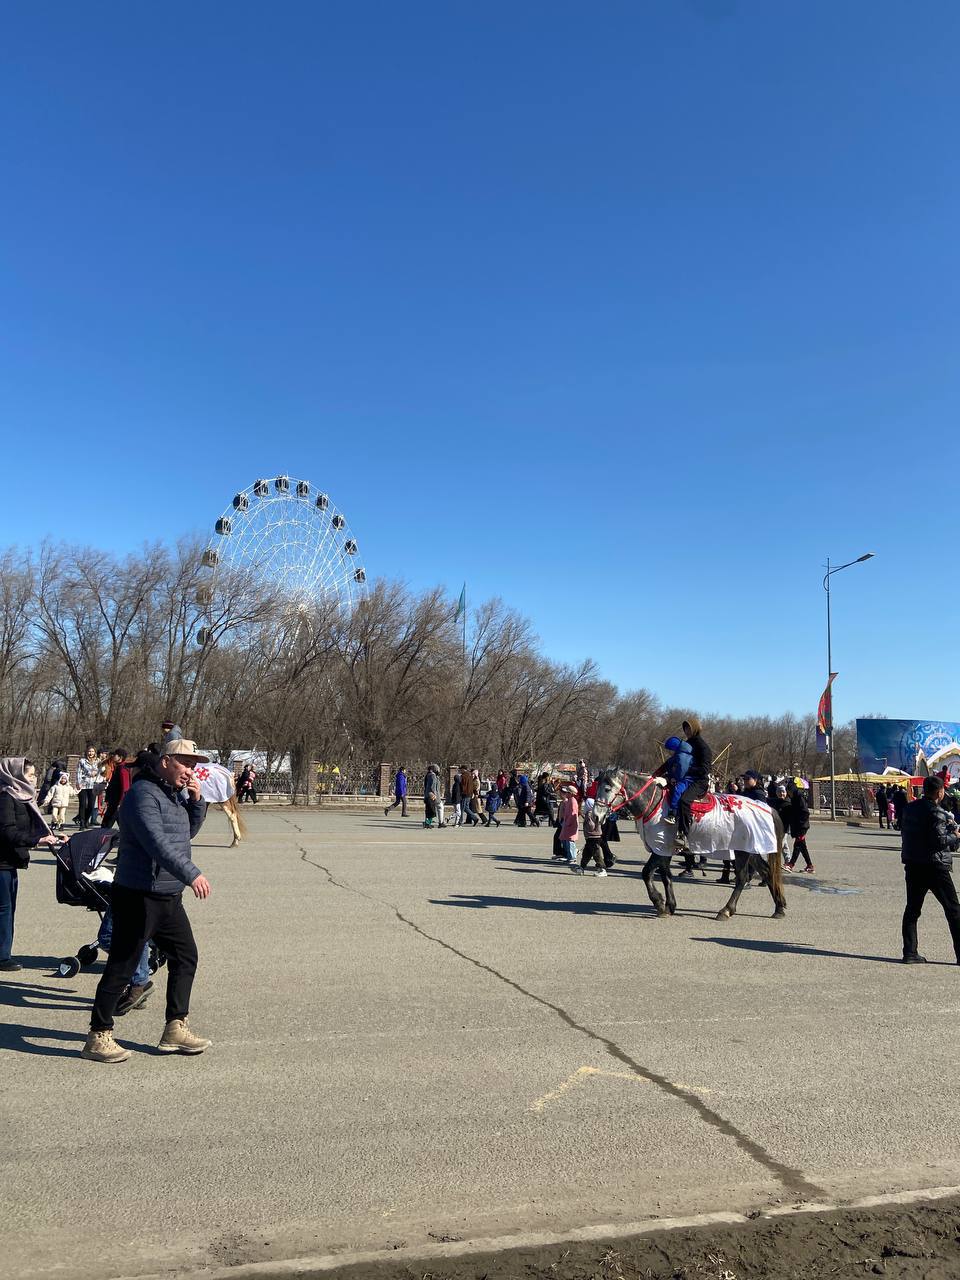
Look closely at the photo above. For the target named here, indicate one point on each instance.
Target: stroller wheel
(69, 967)
(87, 955)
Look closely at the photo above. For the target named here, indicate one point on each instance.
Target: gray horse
(731, 826)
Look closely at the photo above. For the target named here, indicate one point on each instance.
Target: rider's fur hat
(694, 724)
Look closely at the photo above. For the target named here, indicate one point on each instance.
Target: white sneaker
(670, 818)
(598, 874)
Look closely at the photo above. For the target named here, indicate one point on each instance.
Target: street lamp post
(826, 586)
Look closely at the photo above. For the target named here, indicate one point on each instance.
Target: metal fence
(347, 778)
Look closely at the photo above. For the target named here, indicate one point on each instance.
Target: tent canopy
(872, 778)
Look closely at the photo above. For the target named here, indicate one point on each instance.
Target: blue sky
(534, 290)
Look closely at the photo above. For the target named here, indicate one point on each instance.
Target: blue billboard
(898, 744)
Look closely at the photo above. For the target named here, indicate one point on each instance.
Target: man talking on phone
(159, 816)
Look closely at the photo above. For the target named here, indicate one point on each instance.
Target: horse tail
(775, 861)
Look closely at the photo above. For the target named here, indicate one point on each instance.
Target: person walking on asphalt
(569, 826)
(797, 822)
(21, 827)
(160, 815)
(592, 849)
(881, 798)
(399, 793)
(929, 838)
(897, 796)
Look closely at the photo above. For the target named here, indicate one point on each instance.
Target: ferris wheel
(289, 536)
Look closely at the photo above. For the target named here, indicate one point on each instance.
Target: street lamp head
(868, 556)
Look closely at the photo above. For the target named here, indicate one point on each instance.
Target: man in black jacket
(929, 838)
(698, 777)
(160, 814)
(881, 796)
(753, 787)
(900, 802)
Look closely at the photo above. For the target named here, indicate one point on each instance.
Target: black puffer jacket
(756, 793)
(16, 829)
(798, 815)
(928, 834)
(699, 770)
(546, 799)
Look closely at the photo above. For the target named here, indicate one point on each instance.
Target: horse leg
(768, 877)
(649, 867)
(230, 809)
(741, 864)
(667, 876)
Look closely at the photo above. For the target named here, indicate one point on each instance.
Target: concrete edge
(538, 1239)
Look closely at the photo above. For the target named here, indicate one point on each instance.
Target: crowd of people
(469, 798)
(891, 800)
(155, 796)
(99, 783)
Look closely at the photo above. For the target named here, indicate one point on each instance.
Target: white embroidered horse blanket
(216, 782)
(719, 824)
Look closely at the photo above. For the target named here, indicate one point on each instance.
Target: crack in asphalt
(791, 1179)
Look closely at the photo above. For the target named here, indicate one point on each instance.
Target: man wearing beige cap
(160, 815)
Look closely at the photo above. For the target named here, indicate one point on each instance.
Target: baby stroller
(84, 879)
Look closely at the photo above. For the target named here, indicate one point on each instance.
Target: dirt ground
(915, 1242)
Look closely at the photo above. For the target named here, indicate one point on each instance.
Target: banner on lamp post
(825, 716)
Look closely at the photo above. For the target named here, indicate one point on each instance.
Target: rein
(647, 813)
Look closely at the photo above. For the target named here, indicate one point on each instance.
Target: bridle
(647, 813)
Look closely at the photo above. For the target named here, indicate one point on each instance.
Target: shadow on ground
(578, 907)
(801, 949)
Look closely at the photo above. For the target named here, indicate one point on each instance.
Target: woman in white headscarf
(21, 827)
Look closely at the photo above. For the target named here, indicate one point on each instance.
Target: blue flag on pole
(461, 604)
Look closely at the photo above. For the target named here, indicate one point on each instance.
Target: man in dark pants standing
(159, 816)
(929, 838)
(881, 797)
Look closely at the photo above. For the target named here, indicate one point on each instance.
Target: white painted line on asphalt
(536, 1239)
(585, 1073)
(407, 844)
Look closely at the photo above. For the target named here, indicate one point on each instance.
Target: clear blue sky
(530, 288)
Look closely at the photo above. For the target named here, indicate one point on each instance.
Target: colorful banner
(907, 744)
(825, 716)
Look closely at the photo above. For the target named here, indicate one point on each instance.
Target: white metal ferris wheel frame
(288, 534)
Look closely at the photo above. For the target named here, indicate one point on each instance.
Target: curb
(308, 1265)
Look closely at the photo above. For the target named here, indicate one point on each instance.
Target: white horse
(745, 831)
(218, 788)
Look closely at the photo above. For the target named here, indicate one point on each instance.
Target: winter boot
(178, 1038)
(101, 1047)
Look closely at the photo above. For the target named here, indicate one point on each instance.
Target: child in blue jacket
(675, 772)
(492, 803)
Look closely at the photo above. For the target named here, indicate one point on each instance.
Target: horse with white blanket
(217, 787)
(733, 827)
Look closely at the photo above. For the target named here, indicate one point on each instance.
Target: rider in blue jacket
(675, 771)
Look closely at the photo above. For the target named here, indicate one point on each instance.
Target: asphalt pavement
(439, 1035)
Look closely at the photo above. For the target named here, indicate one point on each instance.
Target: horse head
(610, 791)
(614, 793)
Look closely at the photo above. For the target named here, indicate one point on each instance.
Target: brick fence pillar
(386, 779)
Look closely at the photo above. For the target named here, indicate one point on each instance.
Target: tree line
(101, 648)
